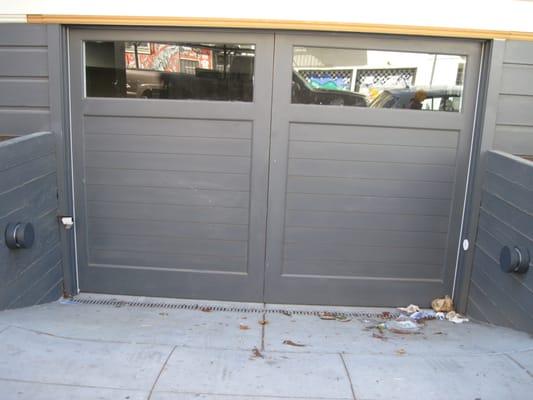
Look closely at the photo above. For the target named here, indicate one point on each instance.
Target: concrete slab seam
(348, 375)
(70, 385)
(263, 328)
(255, 396)
(160, 372)
(520, 365)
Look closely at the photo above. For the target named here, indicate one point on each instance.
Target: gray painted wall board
(28, 193)
(24, 103)
(506, 218)
(34, 95)
(23, 35)
(514, 124)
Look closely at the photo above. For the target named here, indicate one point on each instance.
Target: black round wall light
(19, 235)
(515, 259)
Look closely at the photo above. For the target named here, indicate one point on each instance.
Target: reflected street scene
(378, 79)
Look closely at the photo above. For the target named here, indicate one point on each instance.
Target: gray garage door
(171, 168)
(182, 140)
(365, 203)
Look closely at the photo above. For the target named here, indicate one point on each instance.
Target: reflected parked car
(304, 93)
(420, 98)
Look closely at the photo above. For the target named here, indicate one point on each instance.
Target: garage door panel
(367, 237)
(165, 195)
(174, 127)
(361, 269)
(367, 152)
(171, 160)
(365, 202)
(371, 170)
(366, 116)
(166, 244)
(115, 259)
(379, 292)
(168, 162)
(363, 187)
(307, 251)
(175, 179)
(377, 221)
(374, 135)
(164, 212)
(192, 230)
(168, 145)
(178, 109)
(348, 203)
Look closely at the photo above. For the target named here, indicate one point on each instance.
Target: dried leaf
(262, 322)
(291, 343)
(385, 315)
(243, 327)
(206, 309)
(410, 309)
(401, 352)
(444, 304)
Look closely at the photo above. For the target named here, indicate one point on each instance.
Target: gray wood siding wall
(506, 218)
(24, 84)
(28, 193)
(514, 119)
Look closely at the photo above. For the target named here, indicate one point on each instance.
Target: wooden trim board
(276, 24)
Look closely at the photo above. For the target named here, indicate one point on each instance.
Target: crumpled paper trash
(423, 314)
(444, 304)
(410, 309)
(456, 318)
(440, 316)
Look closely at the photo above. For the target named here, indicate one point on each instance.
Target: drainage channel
(226, 308)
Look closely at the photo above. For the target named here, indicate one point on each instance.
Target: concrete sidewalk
(81, 351)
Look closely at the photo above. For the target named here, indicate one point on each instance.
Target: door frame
(71, 267)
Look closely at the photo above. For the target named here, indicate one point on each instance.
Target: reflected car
(304, 93)
(420, 98)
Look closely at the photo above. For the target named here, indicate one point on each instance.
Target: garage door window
(157, 70)
(377, 79)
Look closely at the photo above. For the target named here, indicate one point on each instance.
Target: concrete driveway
(161, 349)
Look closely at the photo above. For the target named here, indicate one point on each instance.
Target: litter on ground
(329, 316)
(444, 304)
(456, 318)
(289, 342)
(413, 318)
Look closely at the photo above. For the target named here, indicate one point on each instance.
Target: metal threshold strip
(239, 308)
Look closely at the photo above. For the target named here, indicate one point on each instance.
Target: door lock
(66, 221)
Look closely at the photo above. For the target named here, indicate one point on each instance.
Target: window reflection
(377, 79)
(170, 70)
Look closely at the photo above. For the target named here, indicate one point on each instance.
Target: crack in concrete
(520, 365)
(348, 375)
(263, 327)
(161, 372)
